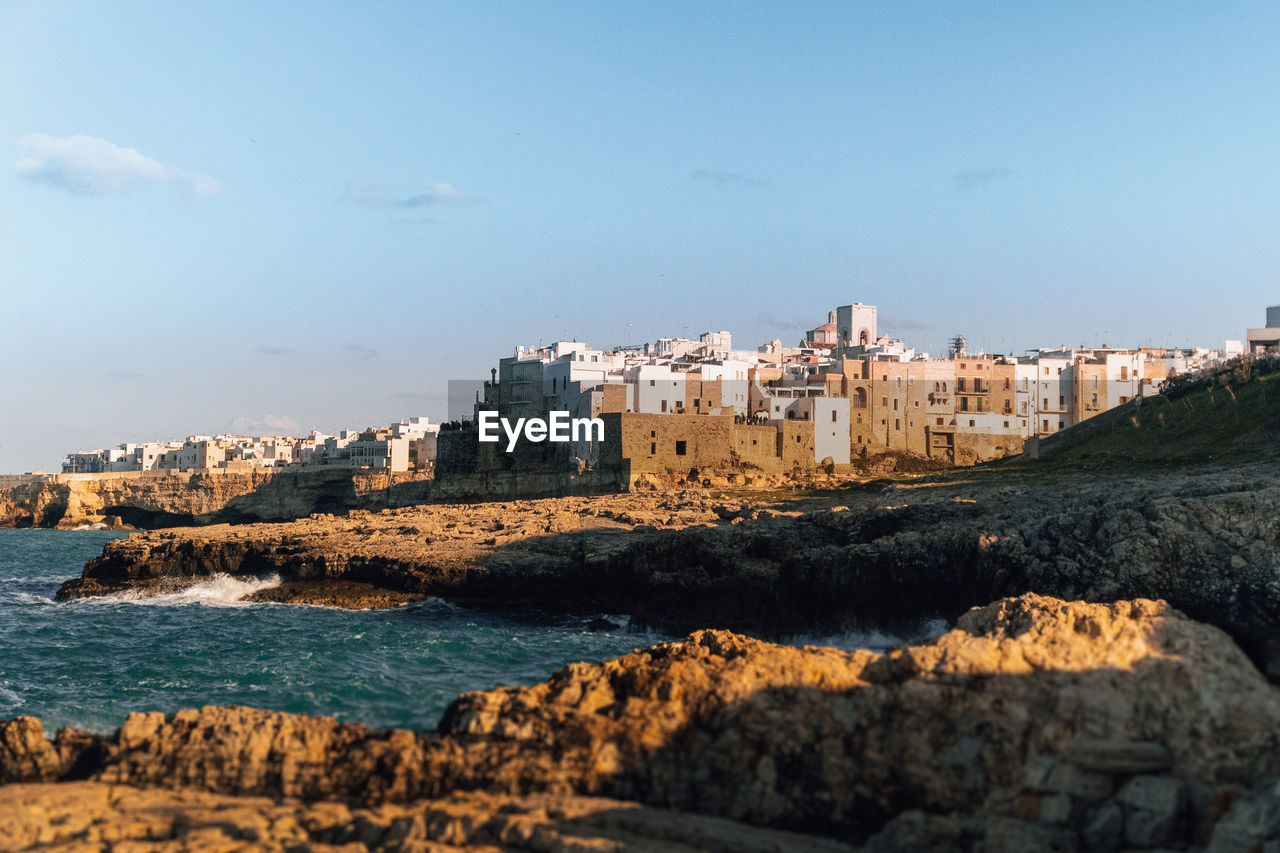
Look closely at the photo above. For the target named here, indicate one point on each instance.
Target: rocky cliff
(1034, 724)
(1208, 540)
(168, 499)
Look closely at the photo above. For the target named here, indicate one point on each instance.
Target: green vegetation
(1230, 415)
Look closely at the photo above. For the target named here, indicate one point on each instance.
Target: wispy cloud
(360, 351)
(272, 349)
(772, 321)
(90, 166)
(266, 425)
(976, 178)
(724, 179)
(385, 196)
(902, 324)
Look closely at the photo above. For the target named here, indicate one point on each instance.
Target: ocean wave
(872, 640)
(221, 590)
(9, 699)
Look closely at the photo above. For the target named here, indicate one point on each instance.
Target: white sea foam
(876, 641)
(9, 699)
(221, 590)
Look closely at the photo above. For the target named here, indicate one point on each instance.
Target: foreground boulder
(1035, 723)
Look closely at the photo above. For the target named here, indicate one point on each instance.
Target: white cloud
(722, 178)
(383, 195)
(88, 166)
(266, 425)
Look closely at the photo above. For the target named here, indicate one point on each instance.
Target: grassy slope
(1214, 424)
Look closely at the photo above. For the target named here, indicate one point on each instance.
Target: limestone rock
(1034, 724)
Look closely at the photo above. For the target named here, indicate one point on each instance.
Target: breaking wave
(873, 640)
(221, 590)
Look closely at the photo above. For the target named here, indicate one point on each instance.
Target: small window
(653, 433)
(971, 422)
(939, 421)
(897, 423)
(664, 405)
(651, 383)
(680, 448)
(834, 416)
(653, 448)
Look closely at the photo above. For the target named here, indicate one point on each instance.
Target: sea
(88, 663)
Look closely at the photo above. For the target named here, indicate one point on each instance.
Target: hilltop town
(846, 391)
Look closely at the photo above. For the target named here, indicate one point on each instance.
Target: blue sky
(231, 216)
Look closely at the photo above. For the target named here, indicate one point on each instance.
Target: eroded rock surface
(91, 815)
(1206, 540)
(1034, 724)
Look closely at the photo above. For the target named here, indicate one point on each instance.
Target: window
(653, 448)
(653, 433)
(897, 423)
(834, 416)
(970, 422)
(964, 404)
(1124, 373)
(680, 448)
(1062, 400)
(895, 404)
(1008, 383)
(939, 421)
(859, 418)
(1006, 424)
(1093, 382)
(664, 405)
(884, 401)
(1093, 398)
(650, 383)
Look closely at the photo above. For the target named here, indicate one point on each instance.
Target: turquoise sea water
(88, 663)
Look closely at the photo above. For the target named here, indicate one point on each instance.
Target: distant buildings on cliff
(404, 446)
(844, 390)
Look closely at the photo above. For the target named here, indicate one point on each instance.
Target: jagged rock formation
(1207, 540)
(96, 815)
(1034, 724)
(167, 499)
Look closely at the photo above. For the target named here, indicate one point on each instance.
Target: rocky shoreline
(884, 554)
(1034, 724)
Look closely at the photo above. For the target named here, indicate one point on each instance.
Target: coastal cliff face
(881, 555)
(1034, 724)
(165, 499)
